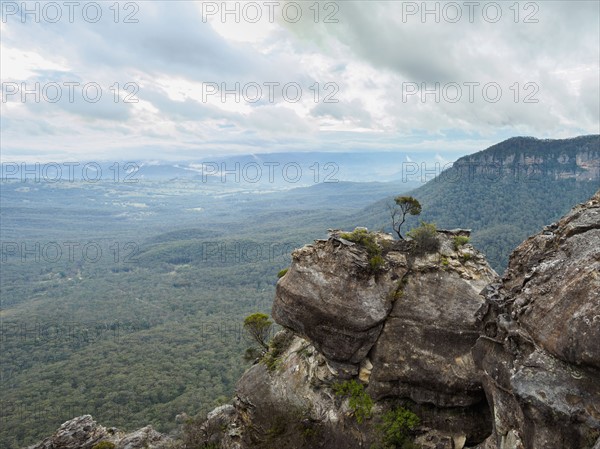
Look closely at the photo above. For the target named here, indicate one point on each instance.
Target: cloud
(370, 62)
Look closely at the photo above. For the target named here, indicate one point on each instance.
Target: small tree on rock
(258, 327)
(404, 205)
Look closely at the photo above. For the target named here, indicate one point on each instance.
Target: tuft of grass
(104, 445)
(464, 258)
(282, 273)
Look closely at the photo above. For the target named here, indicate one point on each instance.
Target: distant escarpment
(504, 193)
(527, 159)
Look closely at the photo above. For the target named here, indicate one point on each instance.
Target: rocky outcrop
(411, 326)
(84, 433)
(292, 406)
(403, 327)
(539, 353)
(330, 297)
(424, 351)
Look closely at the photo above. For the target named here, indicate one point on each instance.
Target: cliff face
(539, 353)
(527, 158)
(413, 324)
(405, 329)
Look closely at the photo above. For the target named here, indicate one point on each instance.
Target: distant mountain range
(272, 170)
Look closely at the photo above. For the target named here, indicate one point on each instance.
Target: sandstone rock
(553, 283)
(366, 367)
(539, 353)
(415, 318)
(292, 407)
(424, 351)
(329, 296)
(83, 433)
(145, 437)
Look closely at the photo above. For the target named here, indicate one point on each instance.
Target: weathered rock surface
(553, 281)
(295, 407)
(291, 407)
(329, 297)
(424, 351)
(83, 433)
(539, 353)
(405, 330)
(416, 317)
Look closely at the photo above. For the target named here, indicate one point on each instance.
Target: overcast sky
(354, 76)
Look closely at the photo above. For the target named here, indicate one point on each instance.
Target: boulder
(84, 433)
(330, 297)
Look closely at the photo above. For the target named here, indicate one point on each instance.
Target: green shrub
(282, 273)
(359, 400)
(367, 240)
(104, 445)
(425, 238)
(277, 346)
(460, 240)
(376, 263)
(397, 427)
(363, 238)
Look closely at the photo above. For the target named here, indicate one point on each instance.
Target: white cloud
(171, 53)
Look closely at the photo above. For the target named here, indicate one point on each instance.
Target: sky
(185, 80)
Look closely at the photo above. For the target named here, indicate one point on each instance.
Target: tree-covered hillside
(505, 193)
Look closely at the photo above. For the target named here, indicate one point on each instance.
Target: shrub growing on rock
(397, 428)
(278, 345)
(460, 240)
(104, 445)
(425, 238)
(367, 239)
(358, 399)
(258, 328)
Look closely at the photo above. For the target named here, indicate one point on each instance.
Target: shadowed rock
(539, 353)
